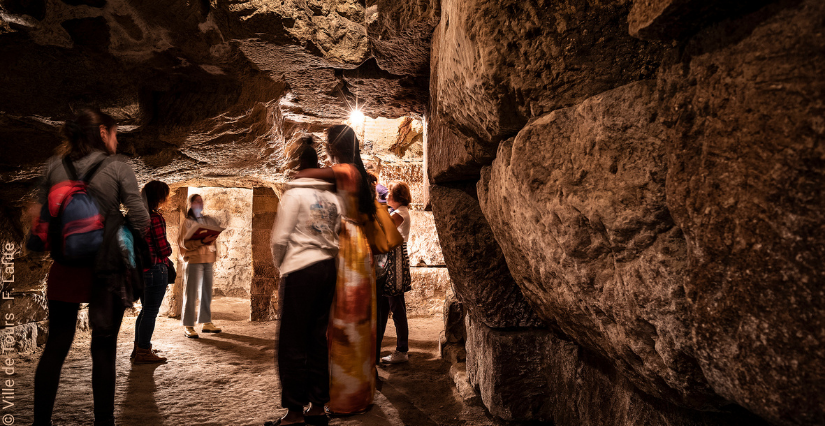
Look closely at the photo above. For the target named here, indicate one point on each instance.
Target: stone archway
(245, 268)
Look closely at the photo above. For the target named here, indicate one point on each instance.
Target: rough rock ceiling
(203, 90)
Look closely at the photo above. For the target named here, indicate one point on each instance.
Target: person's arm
(137, 215)
(192, 244)
(339, 217)
(284, 224)
(158, 233)
(397, 219)
(324, 174)
(187, 245)
(213, 240)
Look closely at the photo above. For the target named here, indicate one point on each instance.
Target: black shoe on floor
(319, 420)
(278, 423)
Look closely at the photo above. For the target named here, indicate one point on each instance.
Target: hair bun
(309, 140)
(72, 129)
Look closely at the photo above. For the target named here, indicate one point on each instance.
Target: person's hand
(210, 239)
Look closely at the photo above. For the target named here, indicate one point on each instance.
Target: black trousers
(303, 355)
(398, 306)
(62, 325)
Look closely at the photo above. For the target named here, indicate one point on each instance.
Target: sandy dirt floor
(230, 379)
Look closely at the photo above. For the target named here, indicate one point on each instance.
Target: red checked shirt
(159, 247)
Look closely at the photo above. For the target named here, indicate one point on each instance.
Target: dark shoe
(319, 420)
(278, 423)
(134, 351)
(148, 356)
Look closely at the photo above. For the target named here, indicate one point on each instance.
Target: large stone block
(175, 212)
(449, 155)
(453, 314)
(746, 172)
(477, 267)
(577, 204)
(429, 288)
(399, 33)
(263, 307)
(24, 308)
(29, 273)
(673, 19)
(19, 339)
(423, 245)
(502, 62)
(533, 374)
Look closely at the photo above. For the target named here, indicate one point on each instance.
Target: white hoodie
(307, 225)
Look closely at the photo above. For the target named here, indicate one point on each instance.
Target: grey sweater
(113, 185)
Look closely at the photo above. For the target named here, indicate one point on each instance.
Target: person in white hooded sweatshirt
(304, 248)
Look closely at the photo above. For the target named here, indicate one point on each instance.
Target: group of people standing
(90, 151)
(333, 310)
(335, 295)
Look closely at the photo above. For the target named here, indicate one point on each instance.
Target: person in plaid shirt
(155, 277)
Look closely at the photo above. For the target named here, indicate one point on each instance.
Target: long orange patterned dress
(352, 325)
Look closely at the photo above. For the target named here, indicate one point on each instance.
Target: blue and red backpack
(70, 224)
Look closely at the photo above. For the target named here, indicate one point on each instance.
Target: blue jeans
(155, 280)
(198, 279)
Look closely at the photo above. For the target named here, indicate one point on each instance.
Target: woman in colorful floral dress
(352, 324)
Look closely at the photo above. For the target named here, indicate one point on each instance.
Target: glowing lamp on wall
(356, 116)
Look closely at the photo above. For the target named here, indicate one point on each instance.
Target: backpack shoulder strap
(69, 166)
(71, 171)
(87, 177)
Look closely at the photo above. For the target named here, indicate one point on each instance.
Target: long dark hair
(190, 213)
(82, 132)
(155, 192)
(343, 144)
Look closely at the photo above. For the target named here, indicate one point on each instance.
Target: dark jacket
(118, 273)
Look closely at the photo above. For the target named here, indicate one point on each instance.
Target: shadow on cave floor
(230, 379)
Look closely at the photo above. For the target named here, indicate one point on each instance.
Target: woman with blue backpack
(91, 170)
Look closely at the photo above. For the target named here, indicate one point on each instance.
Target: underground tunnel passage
(616, 207)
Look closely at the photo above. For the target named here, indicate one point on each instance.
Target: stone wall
(232, 207)
(390, 138)
(652, 200)
(174, 213)
(23, 305)
(264, 290)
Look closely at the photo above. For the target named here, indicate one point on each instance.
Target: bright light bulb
(356, 116)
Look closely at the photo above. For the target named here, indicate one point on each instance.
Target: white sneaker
(397, 357)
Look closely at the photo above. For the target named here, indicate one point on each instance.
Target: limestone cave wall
(627, 195)
(629, 199)
(204, 93)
